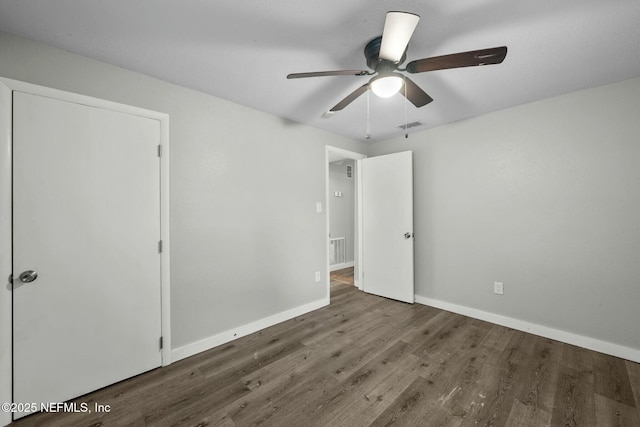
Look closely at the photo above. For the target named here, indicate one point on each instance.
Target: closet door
(86, 230)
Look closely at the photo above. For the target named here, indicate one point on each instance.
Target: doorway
(383, 223)
(344, 235)
(341, 210)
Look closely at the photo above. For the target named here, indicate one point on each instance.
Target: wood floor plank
(611, 379)
(289, 402)
(538, 383)
(439, 342)
(364, 344)
(475, 404)
(350, 325)
(241, 363)
(383, 335)
(274, 398)
(575, 400)
(353, 390)
(365, 360)
(446, 378)
(499, 388)
(318, 399)
(610, 413)
(377, 398)
(416, 336)
(406, 408)
(476, 374)
(498, 337)
(345, 319)
(524, 415)
(578, 359)
(633, 370)
(414, 407)
(319, 358)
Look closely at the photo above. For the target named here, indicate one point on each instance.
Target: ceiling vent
(410, 125)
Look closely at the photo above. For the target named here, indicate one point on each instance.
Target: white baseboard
(341, 266)
(235, 333)
(617, 350)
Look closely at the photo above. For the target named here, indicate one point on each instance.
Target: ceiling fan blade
(351, 97)
(329, 73)
(472, 58)
(415, 94)
(398, 29)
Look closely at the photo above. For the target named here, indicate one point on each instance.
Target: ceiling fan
(386, 53)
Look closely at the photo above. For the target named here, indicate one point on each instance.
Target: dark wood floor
(366, 360)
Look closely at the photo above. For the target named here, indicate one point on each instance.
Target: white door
(387, 226)
(86, 219)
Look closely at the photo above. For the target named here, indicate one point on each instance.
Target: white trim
(165, 235)
(594, 344)
(358, 278)
(6, 393)
(341, 266)
(241, 331)
(7, 86)
(16, 85)
(345, 153)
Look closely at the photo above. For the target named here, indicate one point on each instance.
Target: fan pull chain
(406, 122)
(368, 134)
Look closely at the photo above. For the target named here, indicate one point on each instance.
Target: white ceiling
(242, 50)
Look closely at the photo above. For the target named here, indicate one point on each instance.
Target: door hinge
(161, 343)
(160, 246)
(159, 150)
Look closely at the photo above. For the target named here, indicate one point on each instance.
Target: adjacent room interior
(524, 236)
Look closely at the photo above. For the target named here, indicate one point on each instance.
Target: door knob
(28, 276)
(407, 235)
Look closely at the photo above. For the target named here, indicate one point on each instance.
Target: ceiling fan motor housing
(372, 52)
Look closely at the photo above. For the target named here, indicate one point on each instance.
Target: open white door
(86, 221)
(387, 226)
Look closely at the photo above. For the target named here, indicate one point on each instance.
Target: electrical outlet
(317, 276)
(498, 288)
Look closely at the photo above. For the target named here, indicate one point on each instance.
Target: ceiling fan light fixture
(386, 85)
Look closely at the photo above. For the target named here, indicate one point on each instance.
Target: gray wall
(544, 197)
(246, 238)
(342, 209)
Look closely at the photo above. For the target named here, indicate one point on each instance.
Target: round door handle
(408, 235)
(28, 276)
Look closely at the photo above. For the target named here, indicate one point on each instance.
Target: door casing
(7, 86)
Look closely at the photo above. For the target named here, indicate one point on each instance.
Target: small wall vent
(410, 125)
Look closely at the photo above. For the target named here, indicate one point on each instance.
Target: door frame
(7, 87)
(357, 157)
